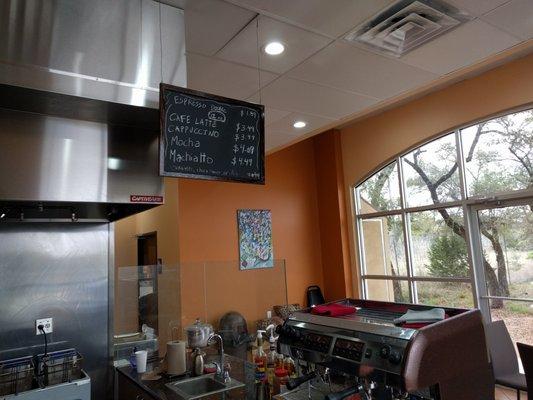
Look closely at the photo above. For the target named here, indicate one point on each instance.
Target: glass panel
(507, 241)
(380, 192)
(225, 291)
(447, 294)
(499, 154)
(387, 290)
(146, 308)
(438, 243)
(431, 173)
(518, 317)
(384, 247)
(220, 287)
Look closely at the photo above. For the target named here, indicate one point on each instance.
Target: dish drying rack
(58, 367)
(16, 375)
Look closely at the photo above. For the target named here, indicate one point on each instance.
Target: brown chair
(526, 355)
(503, 358)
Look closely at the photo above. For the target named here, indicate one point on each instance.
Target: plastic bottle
(280, 381)
(280, 361)
(272, 355)
(289, 365)
(260, 359)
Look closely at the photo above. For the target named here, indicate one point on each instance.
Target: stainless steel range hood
(79, 141)
(75, 159)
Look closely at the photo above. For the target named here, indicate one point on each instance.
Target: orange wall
(332, 216)
(163, 220)
(208, 226)
(198, 224)
(370, 142)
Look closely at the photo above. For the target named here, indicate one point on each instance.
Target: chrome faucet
(222, 373)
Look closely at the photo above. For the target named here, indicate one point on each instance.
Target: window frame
(470, 207)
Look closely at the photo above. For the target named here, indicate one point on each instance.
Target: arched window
(451, 223)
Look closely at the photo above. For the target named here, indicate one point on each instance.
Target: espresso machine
(444, 360)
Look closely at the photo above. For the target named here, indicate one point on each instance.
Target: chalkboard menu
(205, 136)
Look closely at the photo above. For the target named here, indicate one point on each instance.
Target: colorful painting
(255, 239)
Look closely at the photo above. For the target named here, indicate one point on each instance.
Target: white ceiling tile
(285, 125)
(276, 139)
(466, 45)
(346, 67)
(210, 24)
(272, 115)
(223, 78)
(299, 44)
(477, 7)
(291, 94)
(515, 17)
(320, 15)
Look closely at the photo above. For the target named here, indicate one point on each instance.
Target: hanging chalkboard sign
(205, 136)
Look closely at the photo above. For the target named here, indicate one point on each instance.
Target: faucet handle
(227, 367)
(218, 367)
(226, 377)
(225, 372)
(222, 373)
(222, 368)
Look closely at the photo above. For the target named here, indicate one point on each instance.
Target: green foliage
(448, 256)
(519, 308)
(445, 294)
(376, 189)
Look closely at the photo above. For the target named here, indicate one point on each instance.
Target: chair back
(501, 349)
(526, 355)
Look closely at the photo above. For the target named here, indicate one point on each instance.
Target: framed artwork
(255, 239)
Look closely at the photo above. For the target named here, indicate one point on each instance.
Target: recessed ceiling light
(274, 48)
(299, 124)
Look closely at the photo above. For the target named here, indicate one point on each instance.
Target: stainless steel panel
(133, 157)
(103, 49)
(59, 82)
(99, 38)
(58, 271)
(52, 159)
(58, 159)
(171, 36)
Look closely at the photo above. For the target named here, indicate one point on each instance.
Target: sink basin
(201, 386)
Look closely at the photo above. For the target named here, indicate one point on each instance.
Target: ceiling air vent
(407, 24)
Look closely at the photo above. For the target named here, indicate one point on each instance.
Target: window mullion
(362, 260)
(406, 234)
(460, 163)
(363, 292)
(479, 280)
(356, 193)
(474, 279)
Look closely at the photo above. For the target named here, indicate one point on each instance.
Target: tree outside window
(441, 179)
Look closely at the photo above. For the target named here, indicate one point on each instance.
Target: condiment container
(280, 381)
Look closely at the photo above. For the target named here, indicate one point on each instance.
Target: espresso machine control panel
(348, 349)
(328, 345)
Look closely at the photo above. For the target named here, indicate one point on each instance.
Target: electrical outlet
(47, 323)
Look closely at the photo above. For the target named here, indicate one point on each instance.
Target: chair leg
(517, 394)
